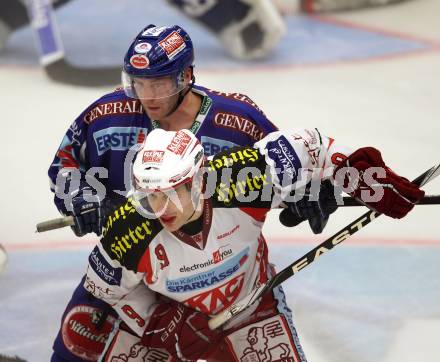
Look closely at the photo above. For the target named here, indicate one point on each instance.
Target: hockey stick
(427, 200)
(3, 258)
(53, 224)
(347, 201)
(310, 257)
(4, 358)
(52, 57)
(58, 223)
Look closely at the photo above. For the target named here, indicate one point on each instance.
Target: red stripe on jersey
(108, 353)
(66, 157)
(262, 257)
(331, 140)
(144, 266)
(258, 214)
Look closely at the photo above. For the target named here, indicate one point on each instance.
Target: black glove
(317, 212)
(87, 210)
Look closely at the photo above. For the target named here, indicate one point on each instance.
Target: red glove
(182, 331)
(399, 195)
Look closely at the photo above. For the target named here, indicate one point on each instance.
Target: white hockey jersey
(220, 265)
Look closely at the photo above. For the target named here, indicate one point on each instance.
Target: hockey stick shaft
(53, 224)
(427, 200)
(58, 223)
(310, 257)
(52, 56)
(348, 201)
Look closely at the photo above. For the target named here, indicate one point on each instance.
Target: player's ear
(188, 74)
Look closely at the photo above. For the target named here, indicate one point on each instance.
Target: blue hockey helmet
(155, 62)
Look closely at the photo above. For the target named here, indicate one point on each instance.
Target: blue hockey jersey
(104, 133)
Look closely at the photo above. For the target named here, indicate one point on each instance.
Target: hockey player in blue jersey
(159, 91)
(90, 171)
(90, 168)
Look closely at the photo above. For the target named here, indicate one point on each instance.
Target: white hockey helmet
(167, 160)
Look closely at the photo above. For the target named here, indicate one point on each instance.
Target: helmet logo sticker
(142, 48)
(139, 61)
(154, 31)
(150, 156)
(180, 176)
(179, 143)
(173, 44)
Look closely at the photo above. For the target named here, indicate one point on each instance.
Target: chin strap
(191, 216)
(195, 199)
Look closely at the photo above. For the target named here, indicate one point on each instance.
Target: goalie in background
(247, 29)
(165, 95)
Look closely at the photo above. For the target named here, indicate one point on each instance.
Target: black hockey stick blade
(356, 225)
(4, 358)
(64, 72)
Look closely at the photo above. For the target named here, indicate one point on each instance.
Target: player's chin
(159, 110)
(155, 112)
(170, 225)
(170, 229)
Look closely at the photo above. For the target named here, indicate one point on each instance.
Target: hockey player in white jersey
(188, 243)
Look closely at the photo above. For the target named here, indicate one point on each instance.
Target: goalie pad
(248, 29)
(315, 6)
